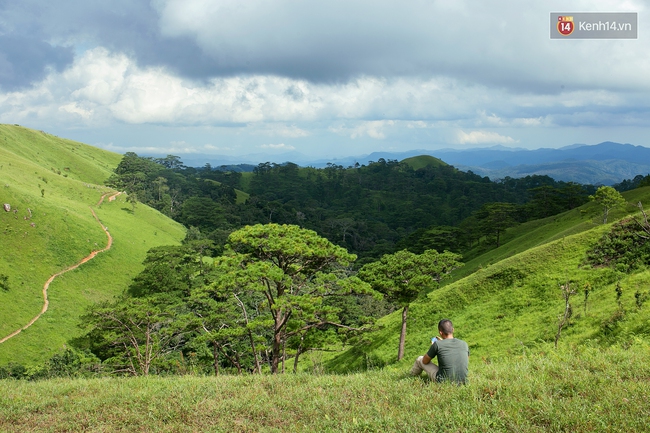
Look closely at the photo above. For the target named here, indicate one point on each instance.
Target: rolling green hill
(51, 185)
(417, 162)
(507, 301)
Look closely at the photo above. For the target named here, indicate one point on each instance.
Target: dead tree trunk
(215, 354)
(564, 318)
(402, 335)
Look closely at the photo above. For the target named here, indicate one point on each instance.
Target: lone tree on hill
(495, 218)
(608, 198)
(402, 276)
(294, 269)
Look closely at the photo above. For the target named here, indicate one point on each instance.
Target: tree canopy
(608, 198)
(275, 292)
(370, 210)
(294, 269)
(403, 276)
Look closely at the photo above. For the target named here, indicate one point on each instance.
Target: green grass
(417, 162)
(587, 389)
(59, 233)
(79, 161)
(241, 195)
(246, 179)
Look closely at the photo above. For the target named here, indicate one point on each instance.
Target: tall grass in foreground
(590, 389)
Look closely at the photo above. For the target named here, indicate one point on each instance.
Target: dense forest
(370, 210)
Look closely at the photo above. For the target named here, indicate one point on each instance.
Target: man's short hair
(446, 327)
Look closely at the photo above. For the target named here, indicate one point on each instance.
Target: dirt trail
(46, 302)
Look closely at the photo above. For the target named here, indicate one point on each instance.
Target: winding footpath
(46, 302)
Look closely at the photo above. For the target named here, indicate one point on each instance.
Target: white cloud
(74, 108)
(179, 147)
(529, 121)
(417, 124)
(101, 86)
(373, 129)
(103, 89)
(481, 137)
(218, 148)
(492, 120)
(280, 130)
(97, 77)
(280, 146)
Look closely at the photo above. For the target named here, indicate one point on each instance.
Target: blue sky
(324, 79)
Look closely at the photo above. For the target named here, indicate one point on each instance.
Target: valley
(506, 301)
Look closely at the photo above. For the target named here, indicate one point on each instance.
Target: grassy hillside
(564, 391)
(421, 161)
(509, 299)
(241, 195)
(51, 184)
(76, 160)
(539, 232)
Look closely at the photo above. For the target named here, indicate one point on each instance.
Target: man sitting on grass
(452, 353)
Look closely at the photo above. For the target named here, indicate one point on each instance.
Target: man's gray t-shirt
(453, 359)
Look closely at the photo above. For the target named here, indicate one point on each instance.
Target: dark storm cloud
(35, 35)
(25, 60)
(130, 27)
(500, 45)
(318, 41)
(25, 52)
(292, 43)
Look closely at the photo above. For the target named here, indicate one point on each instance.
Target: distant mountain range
(606, 163)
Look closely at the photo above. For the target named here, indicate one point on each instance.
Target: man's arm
(431, 353)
